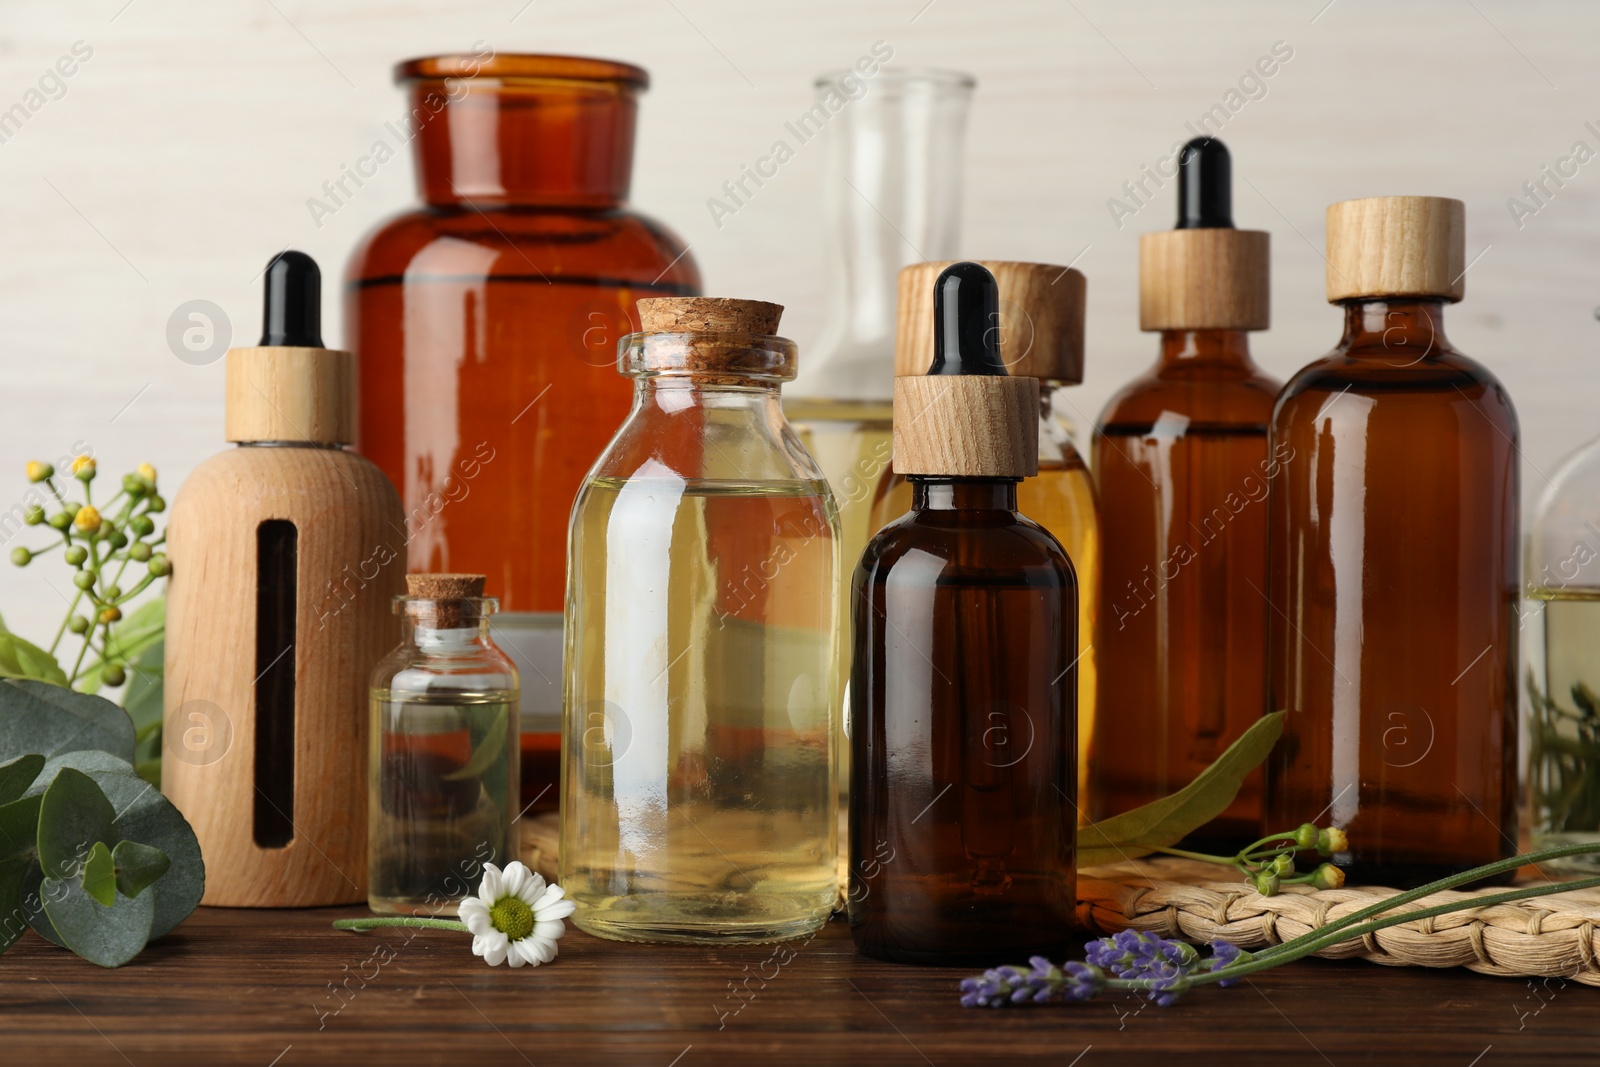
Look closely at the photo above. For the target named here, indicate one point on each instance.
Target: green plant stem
(60, 633)
(371, 924)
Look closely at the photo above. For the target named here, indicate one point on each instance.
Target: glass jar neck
(1409, 327)
(443, 632)
(1225, 349)
(891, 197)
(523, 141)
(673, 393)
(929, 493)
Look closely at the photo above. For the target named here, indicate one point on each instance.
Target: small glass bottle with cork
(444, 755)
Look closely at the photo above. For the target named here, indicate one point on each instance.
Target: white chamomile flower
(516, 917)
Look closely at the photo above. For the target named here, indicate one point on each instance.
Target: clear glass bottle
(892, 166)
(444, 756)
(1041, 336)
(1561, 622)
(1393, 556)
(962, 837)
(698, 801)
(1181, 467)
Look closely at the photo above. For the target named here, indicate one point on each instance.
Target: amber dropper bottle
(1394, 565)
(1181, 466)
(963, 789)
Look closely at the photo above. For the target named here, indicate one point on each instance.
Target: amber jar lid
(521, 66)
(715, 340)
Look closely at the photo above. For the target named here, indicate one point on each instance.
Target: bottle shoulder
(616, 245)
(1243, 399)
(1402, 379)
(940, 547)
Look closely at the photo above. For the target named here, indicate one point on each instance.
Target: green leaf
(1169, 820)
(74, 816)
(24, 659)
(143, 703)
(108, 936)
(488, 752)
(150, 819)
(13, 873)
(100, 875)
(144, 627)
(17, 775)
(19, 828)
(138, 867)
(37, 717)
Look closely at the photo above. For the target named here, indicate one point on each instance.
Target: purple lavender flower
(1139, 956)
(1002, 986)
(1224, 954)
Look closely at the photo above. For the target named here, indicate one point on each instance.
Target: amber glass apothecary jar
(485, 324)
(697, 799)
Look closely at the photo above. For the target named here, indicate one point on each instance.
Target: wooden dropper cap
(1041, 319)
(1204, 275)
(1396, 246)
(290, 388)
(966, 417)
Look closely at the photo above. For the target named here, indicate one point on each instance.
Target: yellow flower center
(512, 917)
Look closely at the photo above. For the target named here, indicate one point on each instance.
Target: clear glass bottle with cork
(698, 801)
(1181, 463)
(1040, 336)
(963, 784)
(443, 763)
(1393, 564)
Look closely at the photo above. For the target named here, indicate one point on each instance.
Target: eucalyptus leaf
(488, 752)
(143, 703)
(138, 867)
(74, 816)
(1169, 820)
(13, 874)
(108, 936)
(23, 659)
(100, 875)
(145, 816)
(44, 718)
(19, 827)
(18, 774)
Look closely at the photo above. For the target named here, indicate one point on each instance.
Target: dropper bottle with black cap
(1181, 464)
(286, 554)
(963, 689)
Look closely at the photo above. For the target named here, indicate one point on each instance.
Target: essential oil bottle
(1393, 564)
(698, 796)
(963, 784)
(1181, 466)
(1041, 336)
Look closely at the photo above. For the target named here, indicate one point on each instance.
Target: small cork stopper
(283, 393)
(1396, 246)
(1041, 319)
(447, 591)
(1204, 279)
(967, 426)
(709, 314)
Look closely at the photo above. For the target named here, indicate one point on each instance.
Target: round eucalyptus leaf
(100, 875)
(18, 774)
(110, 936)
(19, 828)
(137, 867)
(73, 816)
(44, 718)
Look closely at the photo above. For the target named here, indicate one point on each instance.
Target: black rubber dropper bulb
(1205, 186)
(966, 322)
(293, 314)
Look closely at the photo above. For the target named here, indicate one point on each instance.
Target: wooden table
(282, 988)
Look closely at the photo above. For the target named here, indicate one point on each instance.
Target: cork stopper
(1041, 319)
(454, 599)
(1396, 246)
(716, 340)
(1203, 274)
(966, 417)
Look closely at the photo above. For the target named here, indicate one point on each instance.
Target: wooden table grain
(260, 988)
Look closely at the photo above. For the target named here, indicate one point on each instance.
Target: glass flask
(892, 166)
(1561, 622)
(697, 797)
(444, 759)
(1393, 565)
(962, 833)
(485, 325)
(1182, 465)
(1041, 336)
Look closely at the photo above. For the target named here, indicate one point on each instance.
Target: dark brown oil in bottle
(963, 693)
(1393, 569)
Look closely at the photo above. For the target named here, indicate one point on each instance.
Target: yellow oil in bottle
(700, 694)
(1564, 722)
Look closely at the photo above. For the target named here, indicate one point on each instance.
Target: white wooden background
(181, 154)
